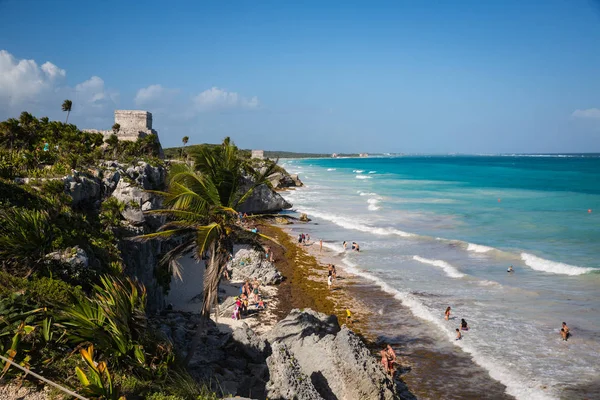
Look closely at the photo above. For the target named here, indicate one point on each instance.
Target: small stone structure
(133, 124)
(260, 154)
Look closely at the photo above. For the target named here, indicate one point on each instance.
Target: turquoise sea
(438, 231)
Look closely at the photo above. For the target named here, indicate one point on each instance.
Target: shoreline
(424, 363)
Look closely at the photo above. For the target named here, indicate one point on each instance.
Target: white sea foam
(358, 171)
(357, 226)
(451, 271)
(478, 248)
(362, 177)
(554, 267)
(516, 385)
(372, 172)
(366, 193)
(331, 169)
(373, 204)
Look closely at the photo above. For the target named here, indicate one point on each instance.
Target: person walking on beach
(333, 272)
(299, 239)
(320, 245)
(329, 281)
(447, 313)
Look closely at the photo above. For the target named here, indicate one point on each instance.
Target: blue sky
(414, 76)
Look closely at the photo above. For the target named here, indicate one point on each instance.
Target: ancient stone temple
(134, 124)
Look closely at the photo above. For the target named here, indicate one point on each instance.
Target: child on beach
(348, 316)
(329, 281)
(447, 313)
(458, 335)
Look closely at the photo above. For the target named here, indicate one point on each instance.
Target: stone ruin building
(134, 124)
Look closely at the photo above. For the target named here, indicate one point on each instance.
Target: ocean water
(439, 231)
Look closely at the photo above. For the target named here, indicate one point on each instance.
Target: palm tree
(116, 128)
(202, 208)
(66, 106)
(184, 140)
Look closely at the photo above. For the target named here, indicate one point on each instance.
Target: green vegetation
(84, 327)
(202, 205)
(38, 148)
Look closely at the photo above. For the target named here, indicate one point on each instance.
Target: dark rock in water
(304, 218)
(288, 381)
(338, 363)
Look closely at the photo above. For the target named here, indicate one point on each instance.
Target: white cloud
(588, 113)
(220, 99)
(154, 95)
(24, 80)
(41, 89)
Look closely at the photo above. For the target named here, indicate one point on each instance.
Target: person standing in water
(447, 313)
(565, 332)
(510, 269)
(458, 335)
(463, 325)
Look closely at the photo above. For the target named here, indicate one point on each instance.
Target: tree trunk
(67, 120)
(212, 276)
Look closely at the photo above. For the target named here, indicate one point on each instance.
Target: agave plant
(202, 208)
(25, 237)
(114, 319)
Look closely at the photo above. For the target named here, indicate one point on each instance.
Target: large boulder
(82, 189)
(263, 200)
(287, 379)
(248, 263)
(338, 363)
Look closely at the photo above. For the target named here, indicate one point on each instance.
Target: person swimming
(458, 334)
(510, 269)
(463, 325)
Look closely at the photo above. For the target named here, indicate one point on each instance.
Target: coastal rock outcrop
(248, 263)
(263, 200)
(336, 360)
(287, 380)
(280, 180)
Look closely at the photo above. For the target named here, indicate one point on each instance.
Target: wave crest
(451, 271)
(553, 267)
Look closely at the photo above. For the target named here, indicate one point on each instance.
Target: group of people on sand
(464, 326)
(354, 247)
(248, 292)
(303, 238)
(331, 275)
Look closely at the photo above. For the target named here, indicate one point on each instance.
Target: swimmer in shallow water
(564, 334)
(458, 335)
(510, 269)
(447, 313)
(463, 325)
